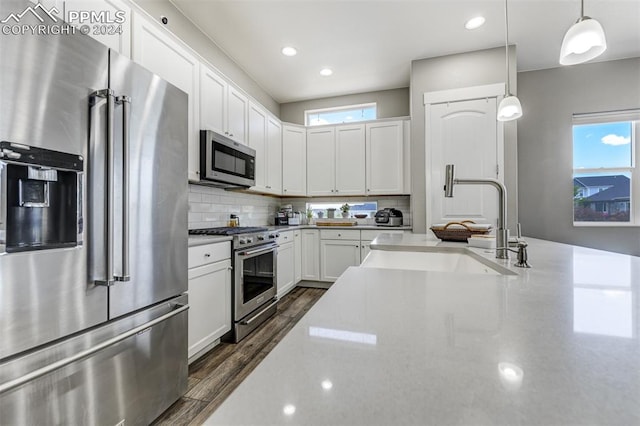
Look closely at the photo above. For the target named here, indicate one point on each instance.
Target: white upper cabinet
(274, 156)
(237, 110)
(294, 160)
(336, 160)
(224, 108)
(160, 53)
(110, 25)
(350, 160)
(265, 136)
(213, 100)
(385, 158)
(321, 155)
(258, 141)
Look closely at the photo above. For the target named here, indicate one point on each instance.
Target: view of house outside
(602, 172)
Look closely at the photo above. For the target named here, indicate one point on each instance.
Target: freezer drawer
(132, 381)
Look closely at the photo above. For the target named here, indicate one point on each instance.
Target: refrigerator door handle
(12, 384)
(109, 193)
(125, 101)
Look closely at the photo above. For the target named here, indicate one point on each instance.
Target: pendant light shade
(509, 108)
(584, 41)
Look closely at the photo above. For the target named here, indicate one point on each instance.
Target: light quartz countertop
(356, 227)
(198, 240)
(553, 345)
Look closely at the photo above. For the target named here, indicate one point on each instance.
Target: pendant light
(509, 108)
(583, 41)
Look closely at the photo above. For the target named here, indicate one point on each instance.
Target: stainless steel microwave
(226, 162)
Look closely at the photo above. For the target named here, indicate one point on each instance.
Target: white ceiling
(369, 44)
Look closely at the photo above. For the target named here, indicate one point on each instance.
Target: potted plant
(345, 209)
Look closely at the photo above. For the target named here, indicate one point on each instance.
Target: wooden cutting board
(335, 223)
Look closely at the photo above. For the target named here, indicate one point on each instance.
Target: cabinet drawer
(284, 237)
(371, 234)
(339, 234)
(209, 253)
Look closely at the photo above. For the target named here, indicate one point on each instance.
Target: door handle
(109, 192)
(125, 101)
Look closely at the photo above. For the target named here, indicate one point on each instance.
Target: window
(339, 115)
(328, 209)
(604, 169)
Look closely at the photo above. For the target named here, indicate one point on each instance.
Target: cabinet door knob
(207, 255)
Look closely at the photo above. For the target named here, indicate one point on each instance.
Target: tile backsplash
(210, 207)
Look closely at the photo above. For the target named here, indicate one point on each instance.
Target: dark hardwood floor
(214, 376)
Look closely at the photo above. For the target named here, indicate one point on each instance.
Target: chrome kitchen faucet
(502, 246)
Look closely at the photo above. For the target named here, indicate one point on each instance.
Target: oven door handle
(254, 317)
(258, 251)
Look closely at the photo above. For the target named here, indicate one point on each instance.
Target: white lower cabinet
(310, 261)
(339, 249)
(297, 256)
(285, 268)
(365, 248)
(209, 296)
(336, 256)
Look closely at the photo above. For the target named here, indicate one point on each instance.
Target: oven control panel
(254, 239)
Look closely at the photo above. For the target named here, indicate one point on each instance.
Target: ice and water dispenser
(40, 198)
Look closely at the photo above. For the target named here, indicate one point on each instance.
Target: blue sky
(602, 145)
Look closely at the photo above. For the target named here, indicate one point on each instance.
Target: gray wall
(184, 29)
(452, 72)
(391, 103)
(545, 147)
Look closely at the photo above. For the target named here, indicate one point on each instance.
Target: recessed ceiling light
(289, 51)
(474, 23)
(326, 72)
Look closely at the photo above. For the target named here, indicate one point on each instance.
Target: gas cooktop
(228, 230)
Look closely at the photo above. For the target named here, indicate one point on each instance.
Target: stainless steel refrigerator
(93, 233)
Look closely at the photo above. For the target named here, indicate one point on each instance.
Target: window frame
(633, 116)
(309, 112)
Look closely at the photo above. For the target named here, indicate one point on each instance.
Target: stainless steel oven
(255, 276)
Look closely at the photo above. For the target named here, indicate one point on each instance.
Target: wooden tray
(446, 233)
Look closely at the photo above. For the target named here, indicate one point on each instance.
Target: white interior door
(464, 133)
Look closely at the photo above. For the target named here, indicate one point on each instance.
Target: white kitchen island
(555, 344)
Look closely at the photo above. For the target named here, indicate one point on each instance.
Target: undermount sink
(433, 261)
